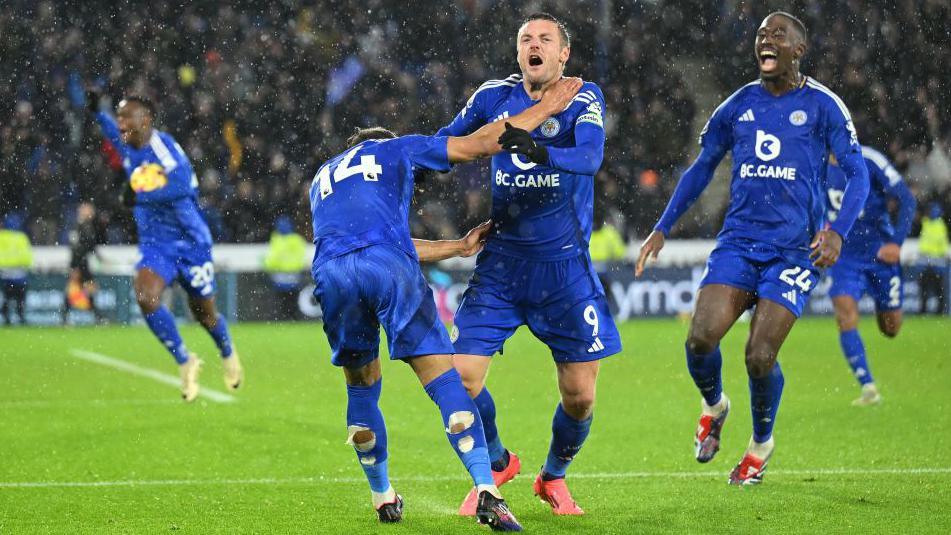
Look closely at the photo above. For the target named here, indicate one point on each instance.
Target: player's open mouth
(768, 60)
(534, 60)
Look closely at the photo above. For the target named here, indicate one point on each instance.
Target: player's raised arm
(484, 142)
(468, 245)
(843, 140)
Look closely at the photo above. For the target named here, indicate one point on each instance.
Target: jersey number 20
(368, 167)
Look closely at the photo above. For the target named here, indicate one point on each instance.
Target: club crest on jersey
(798, 118)
(550, 127)
(453, 334)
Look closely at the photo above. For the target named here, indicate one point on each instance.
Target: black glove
(520, 141)
(92, 101)
(127, 195)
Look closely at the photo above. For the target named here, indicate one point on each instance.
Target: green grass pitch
(87, 448)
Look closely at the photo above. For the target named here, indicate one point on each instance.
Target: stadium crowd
(260, 96)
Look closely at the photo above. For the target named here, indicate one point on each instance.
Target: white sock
(761, 450)
(380, 498)
(714, 410)
(492, 489)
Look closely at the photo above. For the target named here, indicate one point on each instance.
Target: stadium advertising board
(662, 292)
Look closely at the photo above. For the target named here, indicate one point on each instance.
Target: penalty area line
(164, 378)
(342, 480)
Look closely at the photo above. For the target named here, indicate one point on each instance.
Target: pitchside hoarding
(663, 291)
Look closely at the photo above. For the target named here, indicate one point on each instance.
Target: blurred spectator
(259, 95)
(285, 263)
(607, 245)
(16, 259)
(81, 286)
(933, 254)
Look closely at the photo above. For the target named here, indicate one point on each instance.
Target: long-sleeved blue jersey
(361, 197)
(874, 226)
(780, 149)
(166, 208)
(540, 212)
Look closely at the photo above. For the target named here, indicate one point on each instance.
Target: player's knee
(700, 343)
(847, 320)
(760, 360)
(579, 405)
(890, 328)
(148, 300)
(474, 385)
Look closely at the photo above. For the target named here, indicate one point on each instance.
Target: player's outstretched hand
(889, 253)
(826, 247)
(649, 249)
(560, 94)
(474, 240)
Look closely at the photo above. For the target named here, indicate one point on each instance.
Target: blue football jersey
(166, 208)
(780, 149)
(874, 226)
(540, 212)
(362, 196)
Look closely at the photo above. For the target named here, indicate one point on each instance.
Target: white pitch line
(461, 477)
(164, 378)
(60, 403)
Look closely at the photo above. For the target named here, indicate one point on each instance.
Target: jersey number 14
(368, 167)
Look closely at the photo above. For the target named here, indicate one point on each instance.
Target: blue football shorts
(189, 264)
(854, 277)
(780, 275)
(562, 302)
(373, 286)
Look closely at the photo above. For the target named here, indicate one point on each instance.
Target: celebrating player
(174, 240)
(366, 274)
(536, 269)
(780, 129)
(869, 262)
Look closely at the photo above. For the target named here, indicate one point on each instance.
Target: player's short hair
(800, 27)
(562, 29)
(145, 102)
(374, 132)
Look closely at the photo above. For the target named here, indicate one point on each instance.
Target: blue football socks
(363, 414)
(854, 351)
(765, 393)
(459, 414)
(221, 336)
(705, 370)
(497, 453)
(567, 437)
(162, 324)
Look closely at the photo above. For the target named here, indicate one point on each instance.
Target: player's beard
(535, 86)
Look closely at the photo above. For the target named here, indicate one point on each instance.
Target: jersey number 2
(368, 167)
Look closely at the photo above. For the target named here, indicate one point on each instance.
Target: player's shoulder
(876, 157)
(825, 96)
(736, 98)
(589, 94)
(497, 87)
(168, 151)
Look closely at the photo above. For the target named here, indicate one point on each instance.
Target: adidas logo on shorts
(790, 296)
(596, 346)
